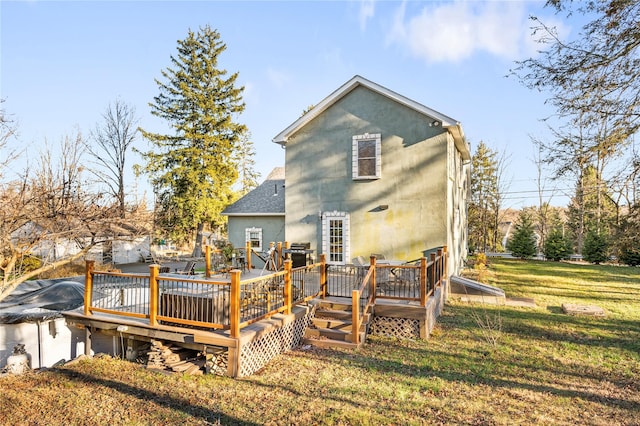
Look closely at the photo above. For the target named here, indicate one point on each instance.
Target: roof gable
(448, 123)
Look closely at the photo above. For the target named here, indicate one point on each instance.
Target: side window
(254, 236)
(366, 156)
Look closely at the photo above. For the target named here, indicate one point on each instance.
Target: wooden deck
(243, 320)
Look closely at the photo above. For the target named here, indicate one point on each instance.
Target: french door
(335, 237)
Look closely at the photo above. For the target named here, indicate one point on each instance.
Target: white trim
(327, 217)
(253, 214)
(447, 122)
(355, 140)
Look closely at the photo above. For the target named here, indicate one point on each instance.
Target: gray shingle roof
(265, 200)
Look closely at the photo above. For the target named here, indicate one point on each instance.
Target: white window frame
(355, 169)
(327, 219)
(248, 232)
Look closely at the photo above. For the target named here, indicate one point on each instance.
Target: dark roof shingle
(266, 199)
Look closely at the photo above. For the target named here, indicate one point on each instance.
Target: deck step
(328, 333)
(331, 313)
(336, 304)
(336, 323)
(332, 325)
(329, 343)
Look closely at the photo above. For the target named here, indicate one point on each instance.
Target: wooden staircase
(331, 326)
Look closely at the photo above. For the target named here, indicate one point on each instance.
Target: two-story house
(367, 171)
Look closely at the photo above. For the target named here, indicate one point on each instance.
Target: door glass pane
(336, 242)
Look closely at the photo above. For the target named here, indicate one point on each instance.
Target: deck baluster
(423, 281)
(287, 286)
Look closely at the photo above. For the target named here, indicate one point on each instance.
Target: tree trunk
(197, 249)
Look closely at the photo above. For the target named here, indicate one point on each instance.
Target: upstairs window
(366, 159)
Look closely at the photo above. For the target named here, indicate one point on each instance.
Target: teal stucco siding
(405, 212)
(272, 231)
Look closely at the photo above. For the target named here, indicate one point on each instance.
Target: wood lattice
(403, 328)
(257, 353)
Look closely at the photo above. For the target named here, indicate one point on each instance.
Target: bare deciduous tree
(8, 130)
(51, 217)
(109, 144)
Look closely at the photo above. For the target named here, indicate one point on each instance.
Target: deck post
(287, 286)
(88, 285)
(87, 340)
(207, 261)
(355, 316)
(247, 255)
(444, 261)
(423, 281)
(234, 313)
(374, 277)
(279, 251)
(323, 275)
(153, 295)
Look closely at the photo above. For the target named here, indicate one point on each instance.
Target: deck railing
(193, 303)
(204, 303)
(122, 294)
(235, 303)
(415, 281)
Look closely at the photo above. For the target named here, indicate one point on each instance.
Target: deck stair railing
(362, 299)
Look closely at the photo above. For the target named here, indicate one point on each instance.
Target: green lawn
(532, 366)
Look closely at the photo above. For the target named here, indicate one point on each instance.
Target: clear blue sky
(63, 62)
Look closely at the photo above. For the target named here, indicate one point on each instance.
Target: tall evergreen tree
(628, 237)
(522, 243)
(194, 168)
(591, 208)
(246, 163)
(484, 186)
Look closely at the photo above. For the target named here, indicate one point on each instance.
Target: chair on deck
(189, 269)
(359, 261)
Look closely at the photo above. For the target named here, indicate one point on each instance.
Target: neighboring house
(125, 244)
(370, 171)
(258, 216)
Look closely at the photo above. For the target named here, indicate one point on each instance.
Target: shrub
(227, 251)
(557, 246)
(481, 260)
(28, 263)
(630, 256)
(595, 248)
